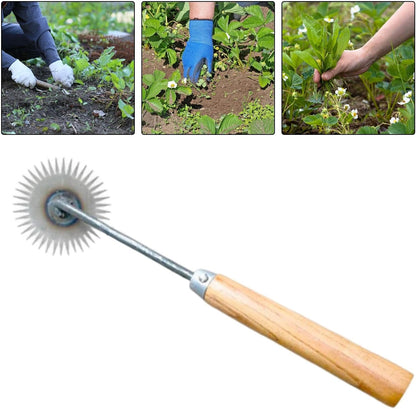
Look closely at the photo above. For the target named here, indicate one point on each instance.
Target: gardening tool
(59, 206)
(44, 84)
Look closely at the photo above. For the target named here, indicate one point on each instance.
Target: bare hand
(350, 64)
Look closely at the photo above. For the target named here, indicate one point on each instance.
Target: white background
(323, 225)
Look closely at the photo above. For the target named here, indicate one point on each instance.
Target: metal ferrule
(200, 281)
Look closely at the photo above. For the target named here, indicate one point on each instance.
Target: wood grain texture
(359, 367)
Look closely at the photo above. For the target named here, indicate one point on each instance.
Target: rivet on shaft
(203, 278)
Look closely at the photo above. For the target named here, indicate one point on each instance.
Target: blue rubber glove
(199, 49)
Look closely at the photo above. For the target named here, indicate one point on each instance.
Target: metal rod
(122, 238)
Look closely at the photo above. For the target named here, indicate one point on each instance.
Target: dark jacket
(34, 26)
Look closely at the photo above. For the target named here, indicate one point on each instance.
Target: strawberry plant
(226, 124)
(327, 40)
(161, 93)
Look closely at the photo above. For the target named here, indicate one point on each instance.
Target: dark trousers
(15, 43)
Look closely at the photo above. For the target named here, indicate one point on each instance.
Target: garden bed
(40, 111)
(228, 92)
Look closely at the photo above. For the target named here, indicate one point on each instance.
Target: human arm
(36, 29)
(395, 31)
(199, 49)
(201, 10)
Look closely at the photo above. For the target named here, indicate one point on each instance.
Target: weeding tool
(44, 84)
(60, 205)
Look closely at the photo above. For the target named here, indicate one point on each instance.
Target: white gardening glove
(22, 74)
(62, 73)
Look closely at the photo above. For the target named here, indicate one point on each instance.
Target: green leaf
(144, 93)
(308, 59)
(332, 120)
(322, 9)
(207, 125)
(269, 17)
(54, 126)
(155, 89)
(234, 25)
(314, 32)
(176, 76)
(184, 90)
(223, 23)
(397, 129)
(313, 120)
(126, 109)
(252, 22)
(297, 81)
(152, 22)
(171, 56)
(148, 79)
(261, 127)
(184, 11)
(149, 31)
(263, 81)
(264, 31)
(228, 124)
(170, 96)
(158, 75)
(266, 42)
(256, 65)
(288, 61)
(342, 42)
(221, 37)
(155, 105)
(118, 82)
(367, 130)
(81, 64)
(162, 32)
(255, 11)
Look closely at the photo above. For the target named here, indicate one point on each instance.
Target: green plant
(189, 121)
(152, 100)
(327, 40)
(255, 116)
(226, 124)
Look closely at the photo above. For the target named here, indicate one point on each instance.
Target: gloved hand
(199, 49)
(22, 75)
(62, 73)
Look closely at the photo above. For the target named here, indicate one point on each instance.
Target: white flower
(354, 10)
(350, 44)
(354, 113)
(69, 21)
(408, 94)
(184, 80)
(172, 84)
(301, 29)
(285, 77)
(328, 20)
(404, 101)
(346, 107)
(300, 110)
(394, 120)
(228, 36)
(341, 91)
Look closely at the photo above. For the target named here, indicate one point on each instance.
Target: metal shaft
(122, 238)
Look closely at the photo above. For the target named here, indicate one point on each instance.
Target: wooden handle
(44, 84)
(363, 369)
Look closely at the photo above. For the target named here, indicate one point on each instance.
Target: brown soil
(227, 92)
(96, 44)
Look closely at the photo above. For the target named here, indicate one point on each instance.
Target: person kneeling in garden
(29, 38)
